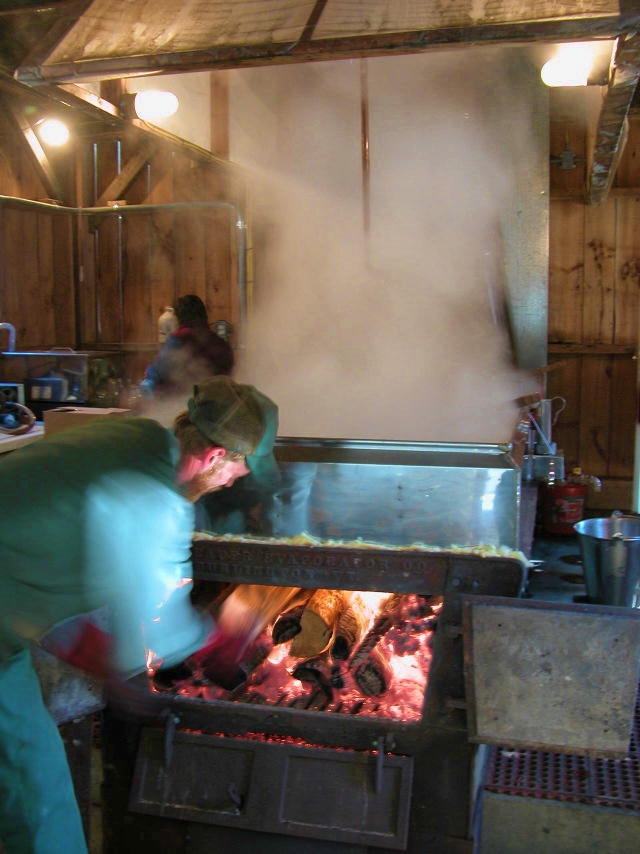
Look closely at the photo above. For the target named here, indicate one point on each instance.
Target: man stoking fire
(102, 515)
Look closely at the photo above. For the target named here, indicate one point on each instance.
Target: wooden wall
(594, 278)
(74, 278)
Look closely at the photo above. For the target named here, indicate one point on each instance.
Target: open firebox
(360, 715)
(337, 743)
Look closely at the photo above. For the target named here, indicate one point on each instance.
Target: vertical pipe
(242, 275)
(95, 173)
(148, 255)
(364, 143)
(78, 245)
(96, 250)
(635, 495)
(120, 255)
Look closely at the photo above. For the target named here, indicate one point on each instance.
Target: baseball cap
(239, 418)
(262, 463)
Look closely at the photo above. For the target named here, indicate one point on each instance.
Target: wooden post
(220, 114)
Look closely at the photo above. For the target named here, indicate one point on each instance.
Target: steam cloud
(399, 333)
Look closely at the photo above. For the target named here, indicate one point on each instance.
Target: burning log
(336, 678)
(318, 623)
(350, 629)
(287, 626)
(359, 612)
(371, 672)
(316, 671)
(383, 622)
(374, 675)
(422, 606)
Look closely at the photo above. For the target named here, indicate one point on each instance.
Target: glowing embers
(381, 670)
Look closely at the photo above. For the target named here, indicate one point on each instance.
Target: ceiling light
(153, 104)
(53, 132)
(571, 66)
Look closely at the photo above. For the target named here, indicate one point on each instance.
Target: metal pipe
(116, 210)
(96, 249)
(120, 258)
(635, 488)
(364, 133)
(94, 163)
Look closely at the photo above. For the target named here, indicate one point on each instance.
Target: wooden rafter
(44, 168)
(612, 122)
(52, 21)
(305, 48)
(123, 180)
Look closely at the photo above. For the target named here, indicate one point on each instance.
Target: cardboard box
(64, 417)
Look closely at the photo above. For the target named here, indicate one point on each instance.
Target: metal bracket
(235, 797)
(382, 744)
(170, 722)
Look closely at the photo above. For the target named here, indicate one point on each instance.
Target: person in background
(190, 354)
(99, 519)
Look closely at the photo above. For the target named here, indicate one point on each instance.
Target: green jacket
(92, 517)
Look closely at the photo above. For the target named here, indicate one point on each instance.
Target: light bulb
(53, 132)
(154, 104)
(570, 67)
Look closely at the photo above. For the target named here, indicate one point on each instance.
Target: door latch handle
(170, 723)
(380, 744)
(235, 797)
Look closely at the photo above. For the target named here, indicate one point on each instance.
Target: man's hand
(220, 659)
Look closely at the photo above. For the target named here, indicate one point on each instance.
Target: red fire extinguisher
(563, 502)
(562, 507)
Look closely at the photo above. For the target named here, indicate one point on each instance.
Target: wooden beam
(312, 21)
(22, 6)
(123, 180)
(66, 12)
(81, 100)
(309, 49)
(43, 166)
(611, 131)
(219, 103)
(112, 91)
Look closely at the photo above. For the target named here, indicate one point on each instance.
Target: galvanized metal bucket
(610, 551)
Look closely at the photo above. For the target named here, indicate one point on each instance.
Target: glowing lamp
(53, 132)
(154, 104)
(570, 67)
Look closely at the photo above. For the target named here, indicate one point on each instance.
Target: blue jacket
(92, 517)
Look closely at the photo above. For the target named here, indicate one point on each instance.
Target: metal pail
(610, 551)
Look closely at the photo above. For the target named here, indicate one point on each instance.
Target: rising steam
(400, 332)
